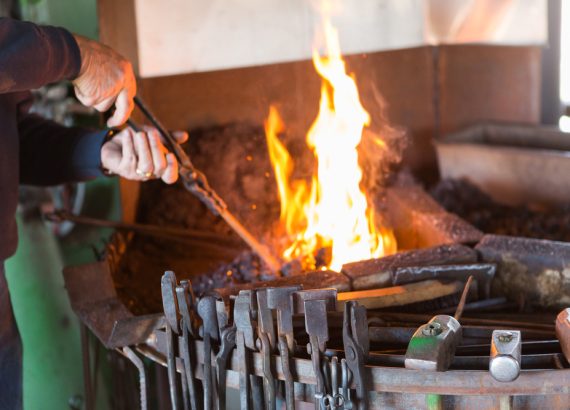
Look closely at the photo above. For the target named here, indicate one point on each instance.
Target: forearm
(51, 154)
(32, 56)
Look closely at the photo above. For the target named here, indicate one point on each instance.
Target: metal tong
(196, 182)
(280, 300)
(209, 331)
(227, 345)
(314, 305)
(356, 348)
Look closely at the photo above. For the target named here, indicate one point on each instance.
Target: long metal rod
(144, 229)
(253, 243)
(87, 379)
(463, 299)
(204, 192)
(420, 318)
(171, 364)
(132, 356)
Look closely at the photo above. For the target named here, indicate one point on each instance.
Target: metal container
(514, 164)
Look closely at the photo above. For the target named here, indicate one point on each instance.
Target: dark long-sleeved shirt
(33, 150)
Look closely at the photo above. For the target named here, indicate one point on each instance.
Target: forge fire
(332, 210)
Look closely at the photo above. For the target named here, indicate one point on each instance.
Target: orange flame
(332, 211)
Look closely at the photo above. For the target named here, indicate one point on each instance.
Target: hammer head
(505, 361)
(563, 332)
(433, 345)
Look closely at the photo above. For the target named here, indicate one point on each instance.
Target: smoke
(381, 148)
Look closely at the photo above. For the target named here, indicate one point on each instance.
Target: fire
(331, 211)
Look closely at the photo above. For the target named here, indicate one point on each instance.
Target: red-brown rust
(400, 380)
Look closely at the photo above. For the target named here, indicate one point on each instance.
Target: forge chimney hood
(184, 36)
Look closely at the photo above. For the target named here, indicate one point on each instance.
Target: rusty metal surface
(309, 280)
(482, 272)
(400, 295)
(403, 77)
(420, 222)
(563, 331)
(534, 269)
(400, 380)
(479, 82)
(102, 311)
(408, 400)
(511, 163)
(378, 272)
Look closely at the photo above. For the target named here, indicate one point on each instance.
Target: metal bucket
(514, 164)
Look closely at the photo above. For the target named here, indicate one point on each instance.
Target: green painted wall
(53, 371)
(78, 16)
(49, 330)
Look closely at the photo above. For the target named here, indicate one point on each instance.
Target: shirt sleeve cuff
(87, 155)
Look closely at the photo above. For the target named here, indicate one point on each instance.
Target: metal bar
(169, 140)
(195, 182)
(463, 299)
(253, 243)
(131, 355)
(400, 295)
(400, 380)
(87, 383)
(166, 232)
(420, 318)
(480, 304)
(171, 361)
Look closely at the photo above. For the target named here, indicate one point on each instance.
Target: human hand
(105, 78)
(141, 156)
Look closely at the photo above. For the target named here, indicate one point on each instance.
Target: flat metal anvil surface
(433, 345)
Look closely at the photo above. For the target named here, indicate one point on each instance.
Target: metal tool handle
(169, 139)
(459, 311)
(193, 179)
(196, 182)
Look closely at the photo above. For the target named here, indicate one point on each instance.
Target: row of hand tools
(261, 320)
(265, 321)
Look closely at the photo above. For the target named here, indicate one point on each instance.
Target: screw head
(505, 337)
(432, 329)
(75, 402)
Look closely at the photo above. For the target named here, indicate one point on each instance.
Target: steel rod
(132, 356)
(87, 378)
(463, 299)
(196, 183)
(154, 230)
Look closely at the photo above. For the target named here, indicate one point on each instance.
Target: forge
(519, 282)
(450, 305)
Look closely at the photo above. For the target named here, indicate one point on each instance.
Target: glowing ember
(331, 211)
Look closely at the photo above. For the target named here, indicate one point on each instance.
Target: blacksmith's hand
(105, 78)
(141, 156)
